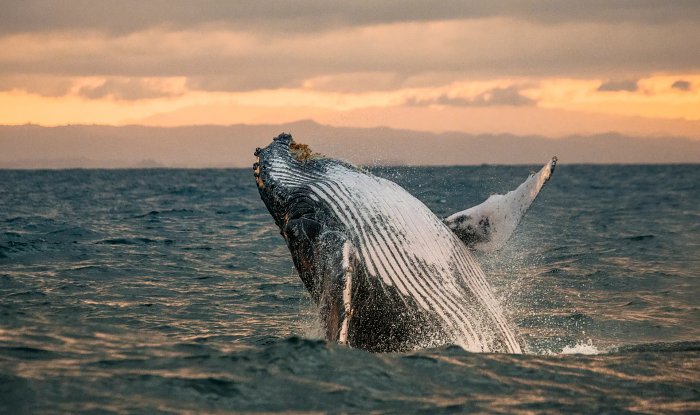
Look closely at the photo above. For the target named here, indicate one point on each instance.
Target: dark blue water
(168, 291)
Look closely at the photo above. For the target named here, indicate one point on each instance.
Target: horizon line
(363, 166)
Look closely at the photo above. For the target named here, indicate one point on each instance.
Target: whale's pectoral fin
(337, 267)
(486, 227)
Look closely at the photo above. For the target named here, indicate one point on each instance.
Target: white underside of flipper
(487, 227)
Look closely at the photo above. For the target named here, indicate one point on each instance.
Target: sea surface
(171, 291)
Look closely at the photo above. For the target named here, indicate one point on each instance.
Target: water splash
(582, 347)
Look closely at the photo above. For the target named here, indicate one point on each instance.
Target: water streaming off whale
(386, 273)
(171, 290)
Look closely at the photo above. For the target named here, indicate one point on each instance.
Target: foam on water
(586, 347)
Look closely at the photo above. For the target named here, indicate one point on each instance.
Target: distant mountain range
(96, 146)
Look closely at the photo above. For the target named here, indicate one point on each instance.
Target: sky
(552, 68)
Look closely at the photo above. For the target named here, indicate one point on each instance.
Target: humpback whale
(386, 273)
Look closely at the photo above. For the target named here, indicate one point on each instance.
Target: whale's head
(282, 171)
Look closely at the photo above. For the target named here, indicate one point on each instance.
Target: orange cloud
(552, 107)
(654, 97)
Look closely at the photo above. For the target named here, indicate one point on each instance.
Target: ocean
(171, 291)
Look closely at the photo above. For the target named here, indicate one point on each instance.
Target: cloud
(434, 54)
(503, 96)
(681, 85)
(629, 85)
(362, 81)
(239, 81)
(265, 16)
(44, 85)
(127, 90)
(509, 96)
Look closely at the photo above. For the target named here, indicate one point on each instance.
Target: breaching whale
(387, 273)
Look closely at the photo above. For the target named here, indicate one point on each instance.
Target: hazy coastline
(96, 146)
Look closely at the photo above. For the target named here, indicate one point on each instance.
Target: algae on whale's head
(302, 152)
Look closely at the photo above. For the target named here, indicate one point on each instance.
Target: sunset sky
(549, 67)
